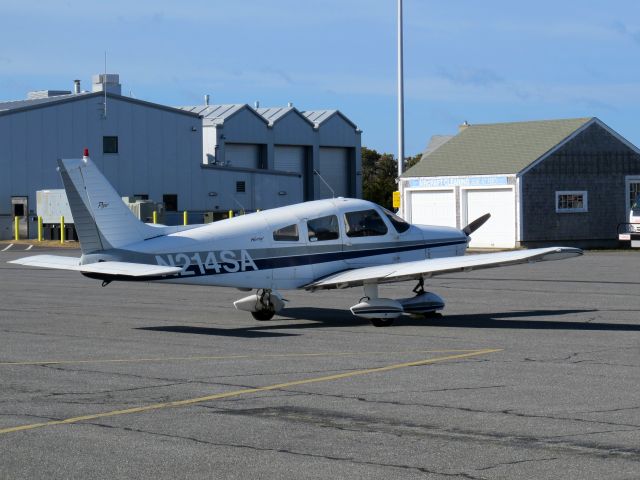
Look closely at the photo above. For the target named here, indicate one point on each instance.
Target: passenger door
(289, 252)
(368, 239)
(324, 244)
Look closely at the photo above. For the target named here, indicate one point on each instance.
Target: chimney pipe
(464, 125)
(76, 86)
(206, 100)
(289, 104)
(256, 104)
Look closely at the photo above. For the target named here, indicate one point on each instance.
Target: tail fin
(101, 218)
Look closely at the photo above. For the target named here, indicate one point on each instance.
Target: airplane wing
(101, 269)
(399, 272)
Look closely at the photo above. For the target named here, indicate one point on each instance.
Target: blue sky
(480, 61)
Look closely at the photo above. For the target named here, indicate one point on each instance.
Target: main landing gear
(263, 305)
(383, 311)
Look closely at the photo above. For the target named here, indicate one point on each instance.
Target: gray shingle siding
(595, 161)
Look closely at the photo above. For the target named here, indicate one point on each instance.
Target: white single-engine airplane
(316, 245)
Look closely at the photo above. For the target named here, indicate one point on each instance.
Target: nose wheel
(264, 314)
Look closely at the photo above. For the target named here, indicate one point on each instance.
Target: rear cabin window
(366, 223)
(323, 228)
(287, 234)
(398, 223)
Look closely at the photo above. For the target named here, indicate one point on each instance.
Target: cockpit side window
(287, 234)
(398, 223)
(365, 223)
(323, 228)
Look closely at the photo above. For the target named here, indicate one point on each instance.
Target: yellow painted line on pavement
(226, 357)
(245, 391)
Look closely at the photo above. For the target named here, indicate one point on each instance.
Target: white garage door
(289, 159)
(500, 230)
(332, 165)
(242, 155)
(435, 207)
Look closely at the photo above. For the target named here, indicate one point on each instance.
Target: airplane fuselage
(289, 247)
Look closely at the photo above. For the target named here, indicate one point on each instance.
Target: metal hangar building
(210, 159)
(269, 157)
(568, 182)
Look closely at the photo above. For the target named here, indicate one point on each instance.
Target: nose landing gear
(263, 305)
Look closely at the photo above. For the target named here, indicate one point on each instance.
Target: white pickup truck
(631, 231)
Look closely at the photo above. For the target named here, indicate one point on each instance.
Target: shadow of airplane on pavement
(314, 317)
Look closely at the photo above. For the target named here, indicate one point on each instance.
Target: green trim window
(572, 201)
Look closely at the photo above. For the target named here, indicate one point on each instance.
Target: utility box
(53, 204)
(143, 209)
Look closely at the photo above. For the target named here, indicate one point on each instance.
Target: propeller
(476, 224)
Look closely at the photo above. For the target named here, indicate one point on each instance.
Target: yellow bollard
(230, 213)
(39, 228)
(62, 229)
(185, 220)
(155, 217)
(16, 228)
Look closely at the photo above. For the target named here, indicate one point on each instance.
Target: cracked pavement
(561, 399)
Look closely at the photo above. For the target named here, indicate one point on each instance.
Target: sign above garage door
(458, 181)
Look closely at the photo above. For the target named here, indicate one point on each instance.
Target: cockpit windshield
(398, 223)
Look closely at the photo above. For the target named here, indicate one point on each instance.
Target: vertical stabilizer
(101, 218)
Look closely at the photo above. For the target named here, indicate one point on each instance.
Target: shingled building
(566, 182)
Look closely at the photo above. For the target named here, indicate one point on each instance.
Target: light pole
(400, 100)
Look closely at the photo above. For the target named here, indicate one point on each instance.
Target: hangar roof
(273, 114)
(216, 114)
(318, 117)
(22, 105)
(16, 104)
(497, 148)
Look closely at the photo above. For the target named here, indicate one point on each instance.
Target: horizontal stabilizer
(57, 262)
(126, 269)
(399, 272)
(99, 269)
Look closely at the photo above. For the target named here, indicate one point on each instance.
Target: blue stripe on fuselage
(315, 258)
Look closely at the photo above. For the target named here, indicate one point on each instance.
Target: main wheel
(382, 322)
(432, 315)
(263, 315)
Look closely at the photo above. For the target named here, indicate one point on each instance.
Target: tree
(379, 173)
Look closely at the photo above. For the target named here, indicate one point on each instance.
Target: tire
(263, 315)
(382, 322)
(432, 315)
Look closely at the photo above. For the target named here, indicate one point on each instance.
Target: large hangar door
(289, 158)
(334, 168)
(433, 207)
(242, 155)
(500, 230)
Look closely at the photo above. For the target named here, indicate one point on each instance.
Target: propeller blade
(476, 224)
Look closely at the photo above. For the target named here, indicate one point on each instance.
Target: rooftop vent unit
(109, 82)
(36, 94)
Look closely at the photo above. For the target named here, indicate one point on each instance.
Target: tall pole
(400, 95)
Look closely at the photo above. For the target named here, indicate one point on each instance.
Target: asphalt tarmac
(533, 372)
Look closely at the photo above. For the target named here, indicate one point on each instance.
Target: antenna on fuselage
(333, 193)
